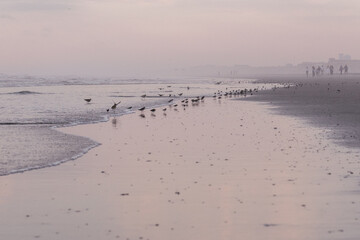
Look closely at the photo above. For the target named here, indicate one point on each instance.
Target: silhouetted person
(313, 71)
(341, 69)
(307, 72)
(331, 69)
(318, 70)
(346, 69)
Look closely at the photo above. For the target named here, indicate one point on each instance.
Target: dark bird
(143, 96)
(141, 109)
(164, 109)
(113, 107)
(170, 100)
(180, 94)
(129, 108)
(153, 110)
(87, 99)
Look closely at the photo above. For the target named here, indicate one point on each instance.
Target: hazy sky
(124, 37)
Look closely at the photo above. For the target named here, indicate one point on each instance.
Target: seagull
(141, 109)
(87, 99)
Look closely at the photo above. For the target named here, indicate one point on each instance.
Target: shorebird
(87, 99)
(141, 109)
(153, 110)
(180, 94)
(129, 108)
(170, 100)
(113, 107)
(143, 96)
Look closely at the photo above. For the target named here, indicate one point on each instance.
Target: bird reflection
(114, 122)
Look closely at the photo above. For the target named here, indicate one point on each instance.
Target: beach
(329, 102)
(220, 169)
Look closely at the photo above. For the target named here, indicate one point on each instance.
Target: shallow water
(32, 108)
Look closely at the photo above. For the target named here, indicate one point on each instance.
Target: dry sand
(220, 170)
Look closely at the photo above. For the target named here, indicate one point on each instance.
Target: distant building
(344, 56)
(354, 65)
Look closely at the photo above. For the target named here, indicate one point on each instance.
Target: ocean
(32, 108)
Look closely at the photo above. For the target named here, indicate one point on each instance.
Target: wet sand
(330, 102)
(223, 169)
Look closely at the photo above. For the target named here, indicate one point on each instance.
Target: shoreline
(218, 170)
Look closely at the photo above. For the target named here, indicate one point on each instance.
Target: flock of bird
(185, 102)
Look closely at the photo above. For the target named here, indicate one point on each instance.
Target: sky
(134, 37)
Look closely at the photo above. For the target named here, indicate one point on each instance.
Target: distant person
(346, 69)
(331, 67)
(307, 72)
(322, 69)
(318, 71)
(313, 71)
(327, 71)
(341, 69)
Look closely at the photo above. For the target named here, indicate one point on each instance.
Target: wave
(30, 123)
(25, 92)
(53, 164)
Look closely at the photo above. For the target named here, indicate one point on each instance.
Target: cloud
(6, 17)
(35, 5)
